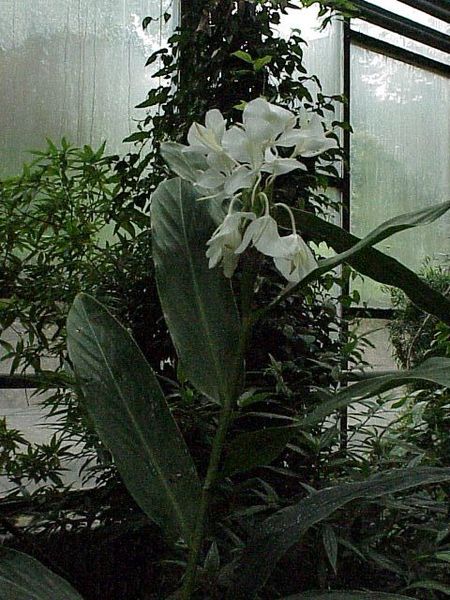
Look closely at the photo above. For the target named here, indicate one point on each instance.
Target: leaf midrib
(198, 296)
(154, 461)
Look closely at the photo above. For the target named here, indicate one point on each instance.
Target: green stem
(225, 418)
(211, 475)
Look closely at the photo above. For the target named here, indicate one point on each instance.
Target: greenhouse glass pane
(73, 68)
(399, 40)
(413, 14)
(322, 55)
(399, 155)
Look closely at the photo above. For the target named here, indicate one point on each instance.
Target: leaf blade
(435, 370)
(24, 578)
(197, 301)
(376, 265)
(132, 418)
(285, 528)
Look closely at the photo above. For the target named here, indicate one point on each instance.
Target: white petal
(281, 166)
(296, 260)
(263, 234)
(216, 123)
(314, 146)
(242, 178)
(264, 121)
(210, 179)
(202, 139)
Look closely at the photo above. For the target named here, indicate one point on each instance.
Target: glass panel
(73, 68)
(399, 155)
(399, 40)
(322, 55)
(404, 10)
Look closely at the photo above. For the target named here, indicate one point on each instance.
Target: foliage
(286, 337)
(416, 335)
(57, 221)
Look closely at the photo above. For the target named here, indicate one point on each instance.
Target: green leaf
(24, 578)
(138, 136)
(245, 56)
(285, 528)
(350, 595)
(259, 63)
(330, 544)
(424, 216)
(146, 22)
(430, 584)
(256, 448)
(435, 370)
(373, 263)
(132, 417)
(197, 301)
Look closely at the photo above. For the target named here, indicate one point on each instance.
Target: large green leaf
(375, 264)
(261, 447)
(347, 596)
(197, 301)
(424, 216)
(286, 527)
(132, 417)
(256, 448)
(434, 370)
(24, 578)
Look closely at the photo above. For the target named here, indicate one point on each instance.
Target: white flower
(207, 138)
(279, 166)
(309, 140)
(262, 233)
(224, 241)
(264, 122)
(295, 260)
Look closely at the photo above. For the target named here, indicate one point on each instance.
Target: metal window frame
(403, 26)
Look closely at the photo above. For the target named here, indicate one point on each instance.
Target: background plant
(287, 371)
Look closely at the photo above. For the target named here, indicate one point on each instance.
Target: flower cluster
(240, 164)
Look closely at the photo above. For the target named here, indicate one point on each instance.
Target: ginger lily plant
(242, 163)
(192, 234)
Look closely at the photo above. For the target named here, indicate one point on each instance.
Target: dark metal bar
(417, 60)
(402, 26)
(436, 8)
(369, 313)
(345, 212)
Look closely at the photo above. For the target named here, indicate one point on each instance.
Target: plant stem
(225, 417)
(213, 467)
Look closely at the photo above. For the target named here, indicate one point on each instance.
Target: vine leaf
(285, 528)
(132, 417)
(24, 578)
(197, 301)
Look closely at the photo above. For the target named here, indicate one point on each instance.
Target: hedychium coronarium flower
(240, 164)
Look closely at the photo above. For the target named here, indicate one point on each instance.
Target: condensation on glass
(401, 41)
(399, 155)
(413, 14)
(323, 52)
(73, 68)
